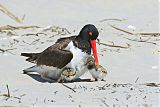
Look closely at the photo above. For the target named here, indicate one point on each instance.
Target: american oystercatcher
(69, 57)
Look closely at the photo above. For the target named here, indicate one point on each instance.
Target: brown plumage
(54, 55)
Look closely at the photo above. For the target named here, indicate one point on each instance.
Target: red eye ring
(90, 33)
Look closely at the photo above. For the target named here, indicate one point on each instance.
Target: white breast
(79, 59)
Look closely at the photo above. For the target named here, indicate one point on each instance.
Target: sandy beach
(128, 48)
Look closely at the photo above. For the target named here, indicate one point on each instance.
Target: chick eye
(90, 33)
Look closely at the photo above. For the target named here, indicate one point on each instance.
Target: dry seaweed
(9, 27)
(30, 34)
(136, 80)
(68, 87)
(10, 14)
(8, 95)
(110, 19)
(7, 50)
(131, 33)
(113, 45)
(140, 40)
(152, 84)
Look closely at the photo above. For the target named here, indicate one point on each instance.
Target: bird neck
(83, 44)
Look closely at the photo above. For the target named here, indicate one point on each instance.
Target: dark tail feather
(31, 56)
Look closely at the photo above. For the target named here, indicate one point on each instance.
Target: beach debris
(8, 92)
(112, 19)
(114, 85)
(44, 29)
(22, 95)
(103, 87)
(111, 50)
(7, 50)
(113, 45)
(35, 41)
(9, 27)
(157, 39)
(132, 33)
(125, 31)
(116, 99)
(136, 80)
(23, 17)
(114, 91)
(8, 95)
(10, 33)
(151, 34)
(146, 105)
(55, 92)
(128, 97)
(10, 14)
(44, 100)
(131, 27)
(152, 84)
(144, 97)
(157, 52)
(103, 101)
(68, 87)
(35, 34)
(58, 30)
(141, 40)
(15, 37)
(49, 100)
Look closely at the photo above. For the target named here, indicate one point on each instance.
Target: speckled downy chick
(97, 71)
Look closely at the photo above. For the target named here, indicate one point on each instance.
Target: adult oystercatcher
(69, 57)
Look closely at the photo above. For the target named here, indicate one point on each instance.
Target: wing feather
(54, 55)
(56, 58)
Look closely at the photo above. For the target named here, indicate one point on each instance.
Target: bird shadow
(38, 78)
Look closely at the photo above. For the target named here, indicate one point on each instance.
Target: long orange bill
(94, 49)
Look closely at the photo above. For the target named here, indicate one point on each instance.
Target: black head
(88, 36)
(89, 32)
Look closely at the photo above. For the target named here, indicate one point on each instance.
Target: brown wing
(55, 57)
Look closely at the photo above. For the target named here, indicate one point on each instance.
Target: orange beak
(94, 49)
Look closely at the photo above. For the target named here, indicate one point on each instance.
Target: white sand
(129, 70)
